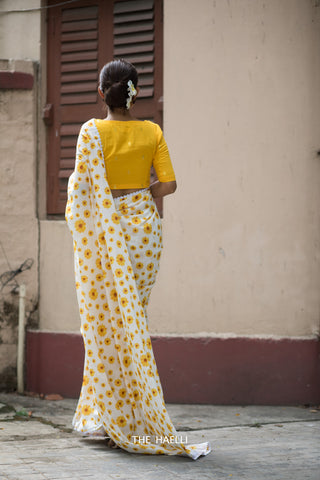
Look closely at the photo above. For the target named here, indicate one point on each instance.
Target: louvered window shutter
(82, 37)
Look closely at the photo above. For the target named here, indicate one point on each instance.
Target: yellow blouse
(130, 149)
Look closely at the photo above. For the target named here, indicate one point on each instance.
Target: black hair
(113, 82)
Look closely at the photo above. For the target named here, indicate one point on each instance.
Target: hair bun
(114, 78)
(116, 95)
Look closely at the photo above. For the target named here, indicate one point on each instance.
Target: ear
(100, 93)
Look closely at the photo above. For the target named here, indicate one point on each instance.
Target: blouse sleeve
(161, 161)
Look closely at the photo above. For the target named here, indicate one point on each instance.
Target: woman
(117, 245)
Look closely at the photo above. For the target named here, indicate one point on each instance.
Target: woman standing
(116, 231)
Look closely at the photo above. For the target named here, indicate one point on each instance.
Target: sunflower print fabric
(117, 248)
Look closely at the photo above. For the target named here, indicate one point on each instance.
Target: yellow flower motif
(119, 244)
(85, 380)
(121, 421)
(136, 197)
(111, 359)
(85, 151)
(136, 221)
(124, 302)
(101, 368)
(122, 392)
(86, 410)
(111, 230)
(120, 322)
(120, 260)
(90, 353)
(84, 241)
(117, 382)
(106, 203)
(92, 145)
(139, 265)
(149, 253)
(154, 392)
(150, 266)
(96, 187)
(102, 330)
(80, 226)
(87, 213)
(115, 218)
(127, 361)
(89, 317)
(136, 395)
(113, 294)
(99, 153)
(98, 264)
(93, 294)
(81, 167)
(147, 228)
(99, 277)
(84, 278)
(105, 307)
(107, 341)
(145, 240)
(102, 406)
(144, 360)
(95, 162)
(88, 253)
(129, 319)
(86, 138)
(102, 239)
(119, 404)
(119, 272)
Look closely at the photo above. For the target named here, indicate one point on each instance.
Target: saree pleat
(117, 249)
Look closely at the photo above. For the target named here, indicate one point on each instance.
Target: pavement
(248, 442)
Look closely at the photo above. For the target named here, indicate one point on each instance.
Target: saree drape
(117, 248)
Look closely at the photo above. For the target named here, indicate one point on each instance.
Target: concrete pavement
(251, 443)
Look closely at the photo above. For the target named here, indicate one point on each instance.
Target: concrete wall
(19, 52)
(241, 234)
(241, 96)
(19, 225)
(20, 31)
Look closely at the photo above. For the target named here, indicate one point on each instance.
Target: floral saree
(117, 248)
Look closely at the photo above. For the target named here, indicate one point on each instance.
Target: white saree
(117, 247)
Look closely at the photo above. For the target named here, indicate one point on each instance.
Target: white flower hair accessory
(131, 93)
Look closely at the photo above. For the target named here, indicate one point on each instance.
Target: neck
(119, 114)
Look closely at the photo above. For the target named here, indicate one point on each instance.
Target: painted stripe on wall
(16, 80)
(231, 371)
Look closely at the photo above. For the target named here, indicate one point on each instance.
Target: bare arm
(161, 189)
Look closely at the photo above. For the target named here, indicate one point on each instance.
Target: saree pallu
(117, 248)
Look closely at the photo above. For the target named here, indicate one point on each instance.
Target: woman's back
(130, 148)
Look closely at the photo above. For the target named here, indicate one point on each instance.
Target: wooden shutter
(138, 39)
(82, 37)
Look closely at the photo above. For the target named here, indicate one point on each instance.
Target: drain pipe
(21, 339)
